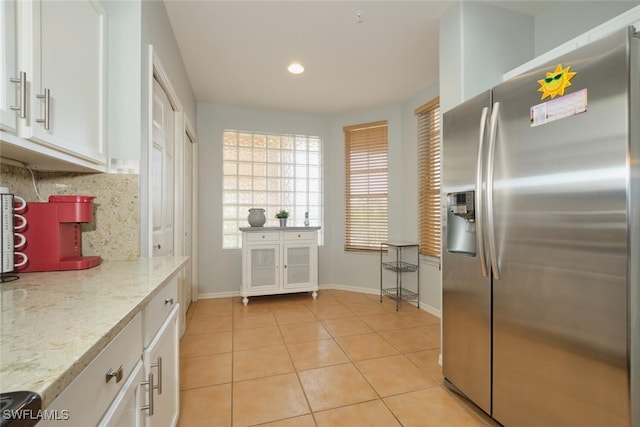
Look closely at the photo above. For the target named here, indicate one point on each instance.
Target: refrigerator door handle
(479, 202)
(491, 233)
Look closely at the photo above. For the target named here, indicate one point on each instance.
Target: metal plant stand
(400, 258)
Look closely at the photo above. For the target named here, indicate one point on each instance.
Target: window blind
(367, 186)
(429, 173)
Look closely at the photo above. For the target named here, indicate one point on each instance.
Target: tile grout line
(416, 325)
(304, 393)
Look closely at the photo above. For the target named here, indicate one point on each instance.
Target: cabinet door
(161, 359)
(68, 54)
(299, 265)
(125, 410)
(9, 95)
(263, 268)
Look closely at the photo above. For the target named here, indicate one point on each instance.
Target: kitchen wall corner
(114, 232)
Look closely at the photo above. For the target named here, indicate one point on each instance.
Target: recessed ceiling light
(295, 68)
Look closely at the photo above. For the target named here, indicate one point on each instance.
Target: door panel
(560, 308)
(9, 95)
(162, 172)
(161, 358)
(466, 300)
(298, 264)
(264, 272)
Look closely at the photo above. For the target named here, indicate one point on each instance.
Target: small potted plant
(282, 215)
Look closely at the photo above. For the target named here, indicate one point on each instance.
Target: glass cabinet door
(263, 267)
(298, 266)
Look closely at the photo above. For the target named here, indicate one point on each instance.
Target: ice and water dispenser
(461, 223)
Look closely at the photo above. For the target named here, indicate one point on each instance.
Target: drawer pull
(150, 392)
(168, 301)
(117, 374)
(159, 366)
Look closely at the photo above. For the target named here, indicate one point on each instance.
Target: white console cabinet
(279, 260)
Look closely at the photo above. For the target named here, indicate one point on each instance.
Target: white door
(9, 95)
(162, 177)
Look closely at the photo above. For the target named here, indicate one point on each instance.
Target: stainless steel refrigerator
(541, 282)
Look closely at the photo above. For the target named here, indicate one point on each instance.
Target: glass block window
(273, 172)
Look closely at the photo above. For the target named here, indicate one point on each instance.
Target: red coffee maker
(54, 234)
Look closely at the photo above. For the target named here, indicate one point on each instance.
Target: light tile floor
(344, 359)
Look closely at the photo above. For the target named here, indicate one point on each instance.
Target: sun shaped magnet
(555, 83)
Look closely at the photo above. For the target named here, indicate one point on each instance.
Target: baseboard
(423, 305)
(213, 295)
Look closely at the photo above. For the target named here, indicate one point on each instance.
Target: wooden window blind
(429, 173)
(366, 187)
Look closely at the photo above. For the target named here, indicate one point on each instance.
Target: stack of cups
(12, 223)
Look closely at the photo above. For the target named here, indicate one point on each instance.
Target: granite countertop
(53, 324)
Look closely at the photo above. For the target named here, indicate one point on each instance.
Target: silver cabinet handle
(150, 394)
(22, 96)
(117, 374)
(168, 301)
(47, 98)
(158, 365)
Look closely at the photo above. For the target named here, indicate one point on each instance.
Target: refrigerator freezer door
(466, 299)
(560, 352)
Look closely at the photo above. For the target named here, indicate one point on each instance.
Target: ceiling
(237, 52)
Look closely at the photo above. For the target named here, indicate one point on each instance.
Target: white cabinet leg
(245, 300)
(314, 295)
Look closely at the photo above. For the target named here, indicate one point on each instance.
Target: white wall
(478, 44)
(430, 277)
(356, 268)
(569, 19)
(157, 31)
(220, 270)
(123, 88)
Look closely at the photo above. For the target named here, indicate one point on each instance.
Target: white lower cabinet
(125, 410)
(278, 261)
(134, 380)
(90, 395)
(161, 365)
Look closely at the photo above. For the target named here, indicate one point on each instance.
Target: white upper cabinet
(61, 48)
(9, 74)
(68, 62)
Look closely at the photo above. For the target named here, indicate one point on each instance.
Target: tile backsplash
(114, 233)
